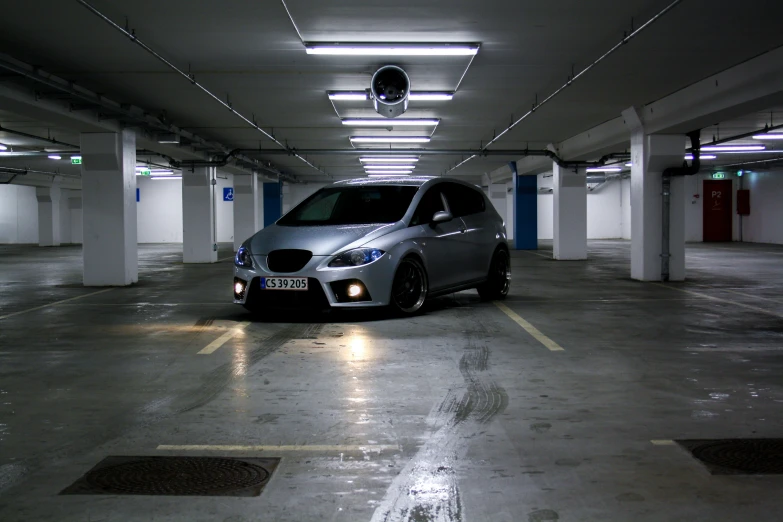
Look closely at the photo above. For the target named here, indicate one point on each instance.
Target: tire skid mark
(426, 490)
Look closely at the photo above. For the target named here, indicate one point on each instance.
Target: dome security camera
(389, 89)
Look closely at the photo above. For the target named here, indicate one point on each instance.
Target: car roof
(415, 181)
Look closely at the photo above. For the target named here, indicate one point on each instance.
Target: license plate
(283, 283)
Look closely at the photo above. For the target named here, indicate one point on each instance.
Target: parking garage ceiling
(252, 54)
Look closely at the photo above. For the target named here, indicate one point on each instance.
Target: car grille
(288, 261)
(313, 298)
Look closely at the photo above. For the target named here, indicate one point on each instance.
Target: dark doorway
(717, 210)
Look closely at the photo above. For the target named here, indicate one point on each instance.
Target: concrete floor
(457, 415)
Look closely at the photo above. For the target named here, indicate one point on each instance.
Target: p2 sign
(228, 193)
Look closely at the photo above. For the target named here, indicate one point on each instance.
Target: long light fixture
(161, 171)
(431, 96)
(732, 148)
(387, 175)
(769, 136)
(400, 49)
(390, 139)
(701, 156)
(388, 172)
(603, 169)
(391, 122)
(389, 167)
(3, 147)
(389, 159)
(55, 157)
(416, 96)
(158, 178)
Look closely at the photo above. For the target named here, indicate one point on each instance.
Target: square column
(570, 214)
(109, 209)
(650, 156)
(259, 202)
(245, 208)
(198, 216)
(48, 215)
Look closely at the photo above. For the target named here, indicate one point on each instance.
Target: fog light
(239, 288)
(354, 291)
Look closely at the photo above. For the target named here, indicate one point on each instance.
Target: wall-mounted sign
(718, 175)
(228, 193)
(76, 160)
(144, 172)
(137, 195)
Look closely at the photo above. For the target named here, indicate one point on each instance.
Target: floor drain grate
(738, 456)
(179, 476)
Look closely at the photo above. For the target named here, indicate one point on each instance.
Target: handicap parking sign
(228, 193)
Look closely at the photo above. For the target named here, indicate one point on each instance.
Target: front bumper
(376, 278)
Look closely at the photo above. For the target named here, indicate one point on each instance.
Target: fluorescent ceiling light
(348, 96)
(769, 136)
(55, 157)
(390, 122)
(431, 96)
(165, 177)
(388, 172)
(386, 175)
(76, 157)
(629, 164)
(773, 151)
(390, 139)
(396, 49)
(603, 169)
(732, 148)
(389, 167)
(3, 147)
(701, 156)
(390, 159)
(161, 171)
(416, 96)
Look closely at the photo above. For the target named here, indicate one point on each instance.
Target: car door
(468, 204)
(442, 243)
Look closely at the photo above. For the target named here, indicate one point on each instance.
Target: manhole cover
(199, 476)
(738, 456)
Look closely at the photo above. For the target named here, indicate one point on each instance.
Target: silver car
(376, 242)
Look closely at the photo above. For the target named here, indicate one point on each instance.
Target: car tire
(409, 287)
(498, 280)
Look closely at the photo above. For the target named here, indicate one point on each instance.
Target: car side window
(463, 200)
(430, 203)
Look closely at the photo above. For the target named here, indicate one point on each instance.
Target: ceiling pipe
(125, 112)
(572, 79)
(685, 170)
(192, 79)
(40, 138)
(766, 129)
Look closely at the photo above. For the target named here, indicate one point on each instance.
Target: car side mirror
(441, 217)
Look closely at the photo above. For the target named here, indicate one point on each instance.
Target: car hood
(321, 240)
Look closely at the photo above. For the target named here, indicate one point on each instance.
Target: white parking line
(529, 328)
(56, 303)
(223, 339)
(663, 442)
(313, 447)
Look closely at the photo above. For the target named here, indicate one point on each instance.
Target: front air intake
(288, 261)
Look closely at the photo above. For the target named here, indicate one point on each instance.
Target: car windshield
(352, 206)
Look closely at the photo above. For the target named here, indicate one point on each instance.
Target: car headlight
(243, 259)
(357, 257)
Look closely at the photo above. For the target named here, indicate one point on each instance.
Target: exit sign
(719, 175)
(144, 172)
(76, 160)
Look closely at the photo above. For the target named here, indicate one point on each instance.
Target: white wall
(159, 210)
(605, 211)
(224, 210)
(625, 213)
(765, 222)
(18, 214)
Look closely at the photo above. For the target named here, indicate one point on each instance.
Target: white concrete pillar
(650, 155)
(259, 202)
(570, 214)
(245, 207)
(109, 208)
(48, 215)
(198, 216)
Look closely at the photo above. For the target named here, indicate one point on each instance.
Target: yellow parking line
(529, 328)
(726, 301)
(663, 442)
(223, 339)
(262, 447)
(56, 303)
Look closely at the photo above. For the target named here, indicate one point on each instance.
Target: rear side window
(430, 203)
(463, 200)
